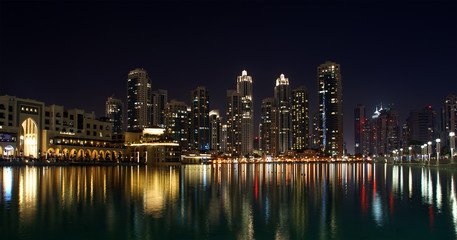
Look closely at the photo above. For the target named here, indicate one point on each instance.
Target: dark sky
(77, 53)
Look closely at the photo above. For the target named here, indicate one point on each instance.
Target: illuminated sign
(154, 131)
(68, 133)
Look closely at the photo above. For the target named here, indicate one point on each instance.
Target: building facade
(30, 129)
(244, 88)
(283, 107)
(330, 103)
(114, 111)
(139, 103)
(265, 126)
(215, 130)
(199, 116)
(448, 118)
(421, 126)
(177, 123)
(359, 124)
(159, 100)
(300, 119)
(234, 127)
(385, 133)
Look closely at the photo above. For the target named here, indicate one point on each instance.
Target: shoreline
(14, 163)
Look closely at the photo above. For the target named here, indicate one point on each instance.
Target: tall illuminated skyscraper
(244, 88)
(114, 111)
(234, 131)
(330, 101)
(177, 122)
(199, 119)
(282, 104)
(215, 130)
(265, 129)
(138, 100)
(300, 119)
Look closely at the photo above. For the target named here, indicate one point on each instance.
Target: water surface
(242, 201)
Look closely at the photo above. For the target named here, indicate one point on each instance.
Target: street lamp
(437, 150)
(452, 145)
(429, 152)
(410, 152)
(401, 154)
(423, 153)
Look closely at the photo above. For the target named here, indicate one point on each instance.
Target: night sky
(77, 54)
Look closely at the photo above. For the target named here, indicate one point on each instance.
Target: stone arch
(80, 154)
(108, 155)
(94, 155)
(65, 153)
(29, 138)
(87, 154)
(73, 153)
(101, 155)
(9, 151)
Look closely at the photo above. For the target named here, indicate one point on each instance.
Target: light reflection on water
(245, 201)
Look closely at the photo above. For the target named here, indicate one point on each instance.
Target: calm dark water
(246, 201)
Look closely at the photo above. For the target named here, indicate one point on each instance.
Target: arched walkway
(29, 137)
(94, 155)
(80, 154)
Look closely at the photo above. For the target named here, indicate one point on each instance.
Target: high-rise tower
(234, 131)
(159, 100)
(114, 111)
(177, 122)
(300, 119)
(282, 104)
(330, 108)
(215, 130)
(266, 131)
(359, 122)
(448, 117)
(199, 119)
(138, 100)
(244, 89)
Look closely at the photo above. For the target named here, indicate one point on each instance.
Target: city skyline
(407, 59)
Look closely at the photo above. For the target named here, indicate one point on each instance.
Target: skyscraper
(199, 118)
(300, 119)
(244, 88)
(265, 128)
(159, 100)
(448, 117)
(177, 122)
(234, 116)
(386, 131)
(359, 122)
(330, 108)
(215, 130)
(282, 104)
(114, 111)
(421, 126)
(138, 100)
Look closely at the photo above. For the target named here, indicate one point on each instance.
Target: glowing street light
(423, 153)
(429, 150)
(401, 154)
(452, 145)
(410, 152)
(437, 150)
